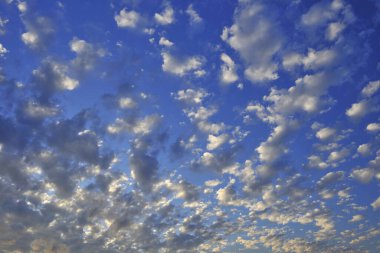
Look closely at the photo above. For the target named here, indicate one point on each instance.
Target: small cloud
(228, 70)
(127, 19)
(165, 42)
(166, 17)
(181, 66)
(194, 16)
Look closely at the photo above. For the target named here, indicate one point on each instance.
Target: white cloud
(127, 19)
(373, 127)
(215, 142)
(165, 42)
(330, 178)
(364, 149)
(257, 40)
(87, 54)
(3, 50)
(22, 7)
(317, 59)
(191, 96)
(166, 17)
(194, 16)
(181, 66)
(141, 126)
(337, 156)
(363, 175)
(371, 88)
(376, 204)
(321, 12)
(334, 30)
(39, 32)
(357, 218)
(316, 162)
(358, 110)
(212, 183)
(127, 103)
(313, 60)
(30, 39)
(325, 133)
(228, 70)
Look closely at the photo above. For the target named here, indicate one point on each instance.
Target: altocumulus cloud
(161, 126)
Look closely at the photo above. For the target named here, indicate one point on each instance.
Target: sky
(189, 126)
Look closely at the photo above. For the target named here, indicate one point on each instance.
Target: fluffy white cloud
(228, 70)
(371, 88)
(373, 127)
(316, 162)
(165, 42)
(143, 126)
(325, 133)
(358, 110)
(364, 149)
(330, 178)
(22, 7)
(337, 156)
(363, 175)
(215, 142)
(314, 60)
(127, 19)
(256, 38)
(166, 17)
(181, 66)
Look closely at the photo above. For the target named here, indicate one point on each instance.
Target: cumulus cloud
(330, 178)
(363, 175)
(165, 42)
(215, 142)
(141, 126)
(325, 133)
(373, 127)
(364, 149)
(181, 65)
(256, 38)
(166, 17)
(358, 110)
(228, 70)
(191, 96)
(127, 19)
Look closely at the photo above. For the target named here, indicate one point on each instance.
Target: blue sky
(189, 126)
